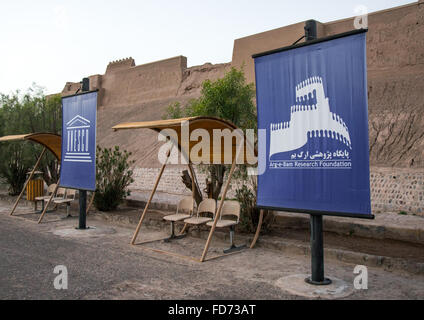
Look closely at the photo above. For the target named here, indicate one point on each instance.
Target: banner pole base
(326, 282)
(83, 210)
(317, 253)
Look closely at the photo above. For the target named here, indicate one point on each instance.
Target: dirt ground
(102, 265)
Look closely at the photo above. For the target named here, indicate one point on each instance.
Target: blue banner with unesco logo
(312, 102)
(78, 164)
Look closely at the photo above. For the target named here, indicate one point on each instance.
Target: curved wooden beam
(28, 180)
(193, 186)
(48, 203)
(91, 202)
(150, 199)
(258, 230)
(218, 214)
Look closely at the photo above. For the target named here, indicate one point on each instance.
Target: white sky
(50, 42)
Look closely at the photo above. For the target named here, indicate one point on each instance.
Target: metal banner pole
(317, 237)
(317, 252)
(83, 210)
(83, 193)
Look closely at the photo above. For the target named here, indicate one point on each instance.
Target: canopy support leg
(184, 229)
(218, 214)
(91, 202)
(193, 186)
(258, 230)
(28, 180)
(48, 203)
(150, 199)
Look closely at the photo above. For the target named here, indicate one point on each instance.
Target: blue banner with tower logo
(312, 102)
(78, 164)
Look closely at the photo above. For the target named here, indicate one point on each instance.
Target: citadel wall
(395, 54)
(395, 80)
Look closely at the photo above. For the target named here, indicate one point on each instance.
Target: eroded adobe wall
(125, 84)
(395, 53)
(129, 86)
(194, 77)
(245, 47)
(395, 74)
(395, 56)
(142, 93)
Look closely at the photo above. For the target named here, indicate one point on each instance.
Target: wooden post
(91, 202)
(184, 229)
(28, 180)
(193, 184)
(258, 231)
(48, 203)
(150, 199)
(218, 214)
(193, 188)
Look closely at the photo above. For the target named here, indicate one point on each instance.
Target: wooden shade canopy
(49, 141)
(181, 138)
(52, 142)
(216, 153)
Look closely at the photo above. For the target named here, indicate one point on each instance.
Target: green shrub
(229, 98)
(249, 213)
(14, 166)
(113, 175)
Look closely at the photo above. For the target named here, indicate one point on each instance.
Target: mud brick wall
(395, 51)
(171, 182)
(397, 190)
(391, 190)
(395, 56)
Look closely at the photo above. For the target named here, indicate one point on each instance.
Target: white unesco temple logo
(308, 120)
(78, 133)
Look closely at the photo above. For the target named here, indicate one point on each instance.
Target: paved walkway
(102, 265)
(391, 242)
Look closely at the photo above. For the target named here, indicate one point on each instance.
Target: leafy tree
(174, 111)
(229, 98)
(113, 175)
(232, 99)
(27, 113)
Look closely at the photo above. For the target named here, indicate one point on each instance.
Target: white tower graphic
(308, 121)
